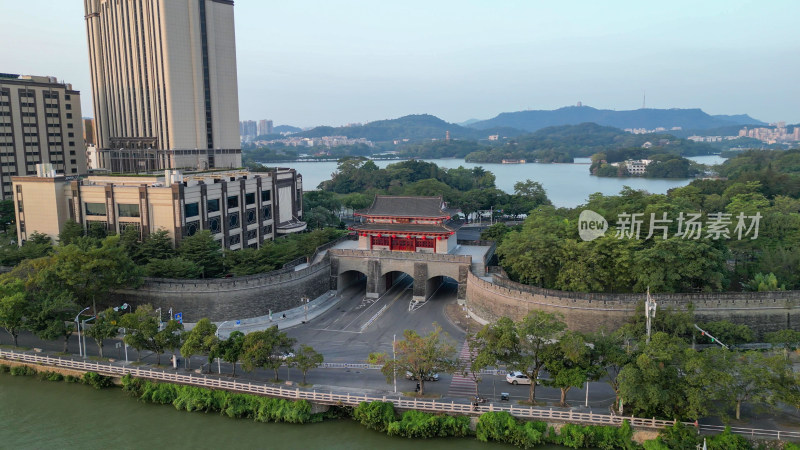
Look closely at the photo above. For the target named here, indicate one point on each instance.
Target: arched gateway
(412, 235)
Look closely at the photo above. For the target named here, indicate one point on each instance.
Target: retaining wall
(231, 298)
(762, 311)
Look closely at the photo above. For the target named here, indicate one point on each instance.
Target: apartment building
(241, 209)
(40, 123)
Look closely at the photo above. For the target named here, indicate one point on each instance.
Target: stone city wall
(586, 312)
(231, 298)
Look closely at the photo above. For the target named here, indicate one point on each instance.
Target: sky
(308, 63)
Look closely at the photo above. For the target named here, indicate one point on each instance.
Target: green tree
(172, 268)
(69, 232)
(521, 346)
(419, 355)
(201, 339)
(52, 317)
(91, 274)
(305, 359)
(155, 246)
(142, 332)
(204, 251)
(787, 339)
(13, 305)
(267, 349)
(97, 230)
(611, 356)
(654, 385)
(105, 326)
(7, 216)
(568, 364)
(230, 350)
(37, 246)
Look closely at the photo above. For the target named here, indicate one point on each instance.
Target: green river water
(55, 415)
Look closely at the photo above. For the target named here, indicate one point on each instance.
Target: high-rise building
(248, 130)
(164, 83)
(264, 127)
(88, 131)
(40, 123)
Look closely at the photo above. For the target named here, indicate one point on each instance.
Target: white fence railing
(402, 403)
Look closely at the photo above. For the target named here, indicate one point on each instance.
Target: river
(567, 185)
(43, 414)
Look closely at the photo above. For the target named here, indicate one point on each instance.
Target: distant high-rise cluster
(772, 135)
(164, 83)
(249, 130)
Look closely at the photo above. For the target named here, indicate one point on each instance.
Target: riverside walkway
(348, 399)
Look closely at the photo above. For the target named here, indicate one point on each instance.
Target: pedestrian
(284, 315)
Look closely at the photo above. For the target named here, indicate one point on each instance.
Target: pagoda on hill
(406, 224)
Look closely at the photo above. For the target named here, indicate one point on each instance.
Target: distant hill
(640, 118)
(416, 127)
(286, 129)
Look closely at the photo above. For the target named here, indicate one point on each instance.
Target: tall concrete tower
(164, 83)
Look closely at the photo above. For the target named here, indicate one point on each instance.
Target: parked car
(286, 355)
(518, 378)
(429, 377)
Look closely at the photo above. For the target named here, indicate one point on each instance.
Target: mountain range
(418, 127)
(647, 118)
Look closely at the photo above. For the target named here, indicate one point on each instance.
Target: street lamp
(85, 352)
(304, 301)
(219, 364)
(123, 307)
(78, 328)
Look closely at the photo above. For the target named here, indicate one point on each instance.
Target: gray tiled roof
(402, 206)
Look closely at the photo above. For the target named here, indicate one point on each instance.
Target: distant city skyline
(308, 63)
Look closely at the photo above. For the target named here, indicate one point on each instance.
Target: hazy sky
(307, 63)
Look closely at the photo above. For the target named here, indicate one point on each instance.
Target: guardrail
(399, 402)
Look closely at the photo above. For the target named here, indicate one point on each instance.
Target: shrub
(375, 415)
(675, 437)
(97, 381)
(133, 386)
(71, 379)
(728, 441)
(417, 424)
(4, 368)
(22, 371)
(50, 376)
(503, 427)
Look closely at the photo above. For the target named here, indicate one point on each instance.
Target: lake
(42, 414)
(567, 185)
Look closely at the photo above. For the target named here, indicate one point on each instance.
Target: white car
(518, 378)
(429, 377)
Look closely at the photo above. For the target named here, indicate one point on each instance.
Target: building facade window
(267, 212)
(250, 198)
(192, 209)
(235, 239)
(251, 216)
(192, 227)
(95, 209)
(252, 234)
(213, 205)
(128, 210)
(266, 230)
(215, 224)
(233, 220)
(266, 196)
(233, 201)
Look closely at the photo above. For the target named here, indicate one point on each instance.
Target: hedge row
(234, 405)
(93, 379)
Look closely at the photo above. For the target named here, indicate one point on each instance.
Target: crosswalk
(462, 386)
